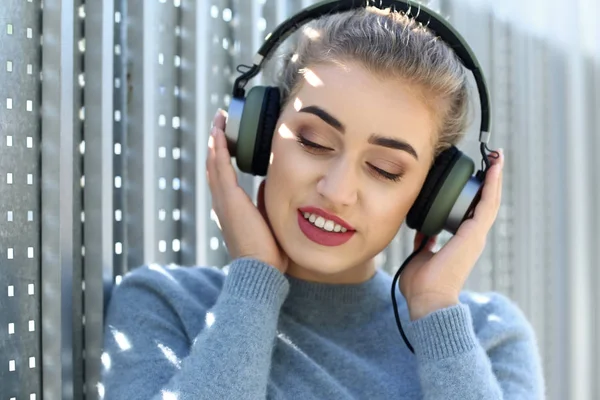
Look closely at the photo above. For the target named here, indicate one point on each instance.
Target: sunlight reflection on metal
(214, 217)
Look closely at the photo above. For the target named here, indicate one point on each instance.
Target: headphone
(450, 191)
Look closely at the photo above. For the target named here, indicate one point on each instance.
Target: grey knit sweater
(251, 332)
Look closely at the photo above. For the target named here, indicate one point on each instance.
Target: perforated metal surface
(61, 207)
(154, 155)
(98, 192)
(20, 350)
(205, 77)
(121, 94)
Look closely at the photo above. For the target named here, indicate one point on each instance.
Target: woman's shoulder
(496, 316)
(197, 278)
(174, 291)
(173, 280)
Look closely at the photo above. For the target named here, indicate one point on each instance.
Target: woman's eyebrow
(375, 139)
(325, 116)
(392, 143)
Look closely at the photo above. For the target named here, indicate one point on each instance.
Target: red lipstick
(321, 236)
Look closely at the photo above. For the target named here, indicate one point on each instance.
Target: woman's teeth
(323, 223)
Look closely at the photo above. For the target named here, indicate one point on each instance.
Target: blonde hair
(393, 46)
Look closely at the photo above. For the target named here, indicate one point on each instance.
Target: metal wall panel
(77, 288)
(20, 284)
(577, 196)
(61, 201)
(121, 94)
(499, 80)
(557, 261)
(153, 152)
(593, 71)
(205, 87)
(98, 192)
(594, 149)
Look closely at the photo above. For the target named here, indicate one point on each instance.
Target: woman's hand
(245, 227)
(432, 281)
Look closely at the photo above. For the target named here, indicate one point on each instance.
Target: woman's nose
(339, 185)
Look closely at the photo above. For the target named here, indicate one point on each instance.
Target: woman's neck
(357, 274)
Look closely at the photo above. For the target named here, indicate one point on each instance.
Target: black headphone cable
(394, 284)
(481, 175)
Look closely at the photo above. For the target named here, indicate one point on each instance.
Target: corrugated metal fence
(104, 115)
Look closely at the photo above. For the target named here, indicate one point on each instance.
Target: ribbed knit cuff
(254, 280)
(443, 333)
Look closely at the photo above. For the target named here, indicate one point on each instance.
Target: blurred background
(105, 109)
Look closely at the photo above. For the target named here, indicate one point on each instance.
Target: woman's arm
(149, 354)
(501, 361)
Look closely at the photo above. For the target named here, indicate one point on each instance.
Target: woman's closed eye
(316, 148)
(311, 146)
(386, 175)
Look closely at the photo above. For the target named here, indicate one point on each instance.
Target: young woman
(369, 100)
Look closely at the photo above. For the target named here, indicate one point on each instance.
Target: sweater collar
(315, 300)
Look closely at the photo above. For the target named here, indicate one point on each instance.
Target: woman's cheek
(289, 156)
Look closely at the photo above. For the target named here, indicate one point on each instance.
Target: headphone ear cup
(450, 174)
(256, 125)
(266, 128)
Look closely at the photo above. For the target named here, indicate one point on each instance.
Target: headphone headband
(424, 15)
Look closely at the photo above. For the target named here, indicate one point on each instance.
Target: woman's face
(349, 156)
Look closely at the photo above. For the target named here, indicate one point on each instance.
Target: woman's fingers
(487, 208)
(465, 247)
(219, 168)
(219, 119)
(225, 171)
(499, 192)
(245, 230)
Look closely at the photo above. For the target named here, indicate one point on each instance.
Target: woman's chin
(322, 267)
(314, 261)
(334, 267)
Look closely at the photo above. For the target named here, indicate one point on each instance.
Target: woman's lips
(322, 236)
(320, 212)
